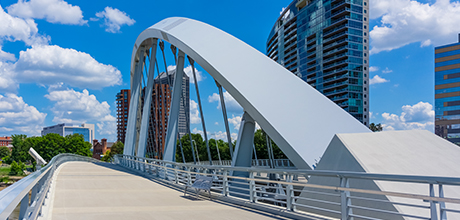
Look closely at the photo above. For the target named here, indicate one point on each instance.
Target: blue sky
(64, 61)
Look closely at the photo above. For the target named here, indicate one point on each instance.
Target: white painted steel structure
(297, 117)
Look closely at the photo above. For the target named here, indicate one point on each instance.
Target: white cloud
(80, 107)
(5, 56)
(418, 116)
(7, 83)
(235, 121)
(230, 103)
(17, 117)
(373, 68)
(194, 113)
(188, 71)
(377, 79)
(407, 21)
(17, 29)
(52, 64)
(386, 70)
(114, 19)
(53, 11)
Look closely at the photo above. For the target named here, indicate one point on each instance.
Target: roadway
(84, 190)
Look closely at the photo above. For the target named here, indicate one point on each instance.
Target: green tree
(4, 151)
(375, 127)
(20, 150)
(116, 148)
(16, 169)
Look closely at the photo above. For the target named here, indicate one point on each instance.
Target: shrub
(16, 169)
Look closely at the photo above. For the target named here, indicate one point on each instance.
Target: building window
(365, 3)
(365, 11)
(365, 27)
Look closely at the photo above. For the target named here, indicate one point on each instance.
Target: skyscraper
(447, 92)
(64, 129)
(123, 98)
(326, 44)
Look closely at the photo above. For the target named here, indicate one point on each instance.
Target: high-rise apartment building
(87, 130)
(447, 92)
(123, 98)
(326, 44)
(161, 101)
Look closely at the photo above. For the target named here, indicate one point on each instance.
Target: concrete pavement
(105, 191)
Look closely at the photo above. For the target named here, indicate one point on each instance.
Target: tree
(375, 127)
(49, 146)
(16, 169)
(4, 151)
(116, 148)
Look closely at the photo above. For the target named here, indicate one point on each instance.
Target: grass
(4, 170)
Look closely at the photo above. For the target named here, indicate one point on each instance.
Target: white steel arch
(296, 116)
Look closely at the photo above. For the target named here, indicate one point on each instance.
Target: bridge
(359, 174)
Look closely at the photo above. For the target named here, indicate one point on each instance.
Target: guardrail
(37, 185)
(287, 189)
(277, 163)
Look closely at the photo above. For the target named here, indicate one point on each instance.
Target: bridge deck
(104, 191)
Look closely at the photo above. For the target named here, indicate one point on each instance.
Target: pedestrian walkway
(105, 191)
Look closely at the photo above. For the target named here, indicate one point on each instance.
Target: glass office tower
(447, 92)
(326, 44)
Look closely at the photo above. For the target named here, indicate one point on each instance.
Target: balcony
(339, 84)
(336, 36)
(336, 91)
(335, 71)
(336, 50)
(336, 64)
(342, 11)
(330, 32)
(335, 78)
(336, 44)
(331, 59)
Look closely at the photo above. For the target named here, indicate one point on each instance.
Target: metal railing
(277, 163)
(37, 185)
(289, 189)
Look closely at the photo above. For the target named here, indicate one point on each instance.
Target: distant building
(326, 44)
(123, 99)
(5, 141)
(87, 130)
(447, 92)
(99, 149)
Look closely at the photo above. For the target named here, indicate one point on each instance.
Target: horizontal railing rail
(284, 188)
(37, 185)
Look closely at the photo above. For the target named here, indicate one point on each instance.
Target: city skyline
(401, 59)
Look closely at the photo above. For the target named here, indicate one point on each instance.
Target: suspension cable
(269, 151)
(191, 61)
(224, 112)
(218, 153)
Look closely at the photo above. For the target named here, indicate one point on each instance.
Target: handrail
(285, 189)
(38, 182)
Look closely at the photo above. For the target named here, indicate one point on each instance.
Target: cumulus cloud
(230, 103)
(418, 116)
(373, 68)
(18, 29)
(114, 19)
(407, 21)
(386, 70)
(377, 79)
(53, 11)
(189, 72)
(81, 107)
(235, 121)
(194, 113)
(7, 83)
(17, 117)
(48, 65)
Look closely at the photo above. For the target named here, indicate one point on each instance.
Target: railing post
(442, 205)
(24, 206)
(289, 194)
(176, 178)
(251, 187)
(345, 200)
(189, 175)
(225, 184)
(433, 211)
